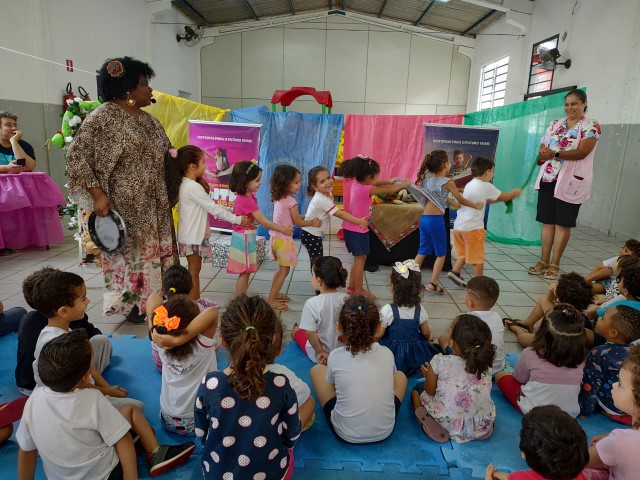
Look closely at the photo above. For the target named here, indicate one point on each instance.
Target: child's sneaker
(169, 456)
(457, 278)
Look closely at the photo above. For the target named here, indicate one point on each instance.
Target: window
(493, 83)
(540, 80)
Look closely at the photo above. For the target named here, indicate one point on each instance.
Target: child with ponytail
(246, 416)
(455, 399)
(359, 388)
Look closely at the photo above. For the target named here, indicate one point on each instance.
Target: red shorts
(511, 389)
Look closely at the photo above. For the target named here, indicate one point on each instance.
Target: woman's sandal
(552, 272)
(510, 322)
(435, 288)
(538, 269)
(430, 427)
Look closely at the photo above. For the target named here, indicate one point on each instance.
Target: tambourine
(108, 233)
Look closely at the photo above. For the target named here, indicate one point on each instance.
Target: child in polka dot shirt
(247, 417)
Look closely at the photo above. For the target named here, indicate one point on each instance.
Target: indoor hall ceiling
(460, 17)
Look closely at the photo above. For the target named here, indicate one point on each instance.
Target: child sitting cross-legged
(76, 431)
(481, 295)
(359, 388)
(184, 365)
(603, 275)
(455, 398)
(553, 445)
(615, 456)
(306, 403)
(572, 289)
(34, 322)
(62, 298)
(405, 329)
(620, 326)
(317, 335)
(549, 372)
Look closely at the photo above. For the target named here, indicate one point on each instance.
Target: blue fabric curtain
(304, 140)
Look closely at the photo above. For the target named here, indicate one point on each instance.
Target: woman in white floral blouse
(564, 181)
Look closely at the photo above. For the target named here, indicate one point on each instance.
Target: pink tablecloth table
(29, 210)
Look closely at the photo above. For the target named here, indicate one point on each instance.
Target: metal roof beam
(384, 4)
(426, 10)
(291, 9)
(247, 4)
(489, 5)
(196, 12)
(478, 22)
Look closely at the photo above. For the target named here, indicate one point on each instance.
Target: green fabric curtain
(522, 126)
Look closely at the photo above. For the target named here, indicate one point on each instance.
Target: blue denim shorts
(357, 243)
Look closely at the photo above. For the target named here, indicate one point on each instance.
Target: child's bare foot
(283, 298)
(279, 306)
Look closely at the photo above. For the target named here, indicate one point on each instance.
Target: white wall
(88, 32)
(366, 68)
(602, 42)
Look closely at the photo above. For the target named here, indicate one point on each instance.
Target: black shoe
(371, 268)
(136, 317)
(457, 278)
(169, 456)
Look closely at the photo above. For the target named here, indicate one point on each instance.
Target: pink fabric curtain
(396, 142)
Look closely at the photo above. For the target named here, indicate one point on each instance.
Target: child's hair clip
(359, 308)
(172, 290)
(252, 163)
(173, 153)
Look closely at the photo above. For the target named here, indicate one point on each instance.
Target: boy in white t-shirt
(481, 295)
(76, 431)
(468, 228)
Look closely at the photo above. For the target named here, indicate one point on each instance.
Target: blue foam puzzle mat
(501, 448)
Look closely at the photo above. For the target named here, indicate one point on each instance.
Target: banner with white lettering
(224, 144)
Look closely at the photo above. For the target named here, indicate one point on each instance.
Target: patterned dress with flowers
(462, 403)
(124, 156)
(566, 139)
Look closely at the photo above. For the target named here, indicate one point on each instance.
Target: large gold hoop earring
(130, 101)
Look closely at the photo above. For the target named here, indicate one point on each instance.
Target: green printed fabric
(522, 126)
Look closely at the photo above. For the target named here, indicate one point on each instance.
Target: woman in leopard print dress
(117, 161)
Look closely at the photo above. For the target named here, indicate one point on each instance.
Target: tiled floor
(506, 263)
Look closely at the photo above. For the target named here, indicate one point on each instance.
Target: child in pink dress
(245, 181)
(285, 183)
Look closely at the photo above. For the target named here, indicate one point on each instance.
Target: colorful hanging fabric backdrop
(304, 140)
(522, 126)
(396, 142)
(224, 144)
(174, 114)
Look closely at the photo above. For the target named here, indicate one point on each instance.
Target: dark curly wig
(632, 363)
(359, 321)
(574, 290)
(561, 339)
(282, 177)
(473, 339)
(407, 292)
(186, 309)
(554, 444)
(116, 88)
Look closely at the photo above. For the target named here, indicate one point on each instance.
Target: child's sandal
(430, 427)
(435, 288)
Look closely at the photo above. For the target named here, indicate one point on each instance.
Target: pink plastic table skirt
(29, 210)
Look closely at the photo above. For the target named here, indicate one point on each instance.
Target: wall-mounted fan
(192, 35)
(549, 59)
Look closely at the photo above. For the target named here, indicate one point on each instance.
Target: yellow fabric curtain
(174, 114)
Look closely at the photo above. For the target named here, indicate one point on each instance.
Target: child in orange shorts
(468, 228)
